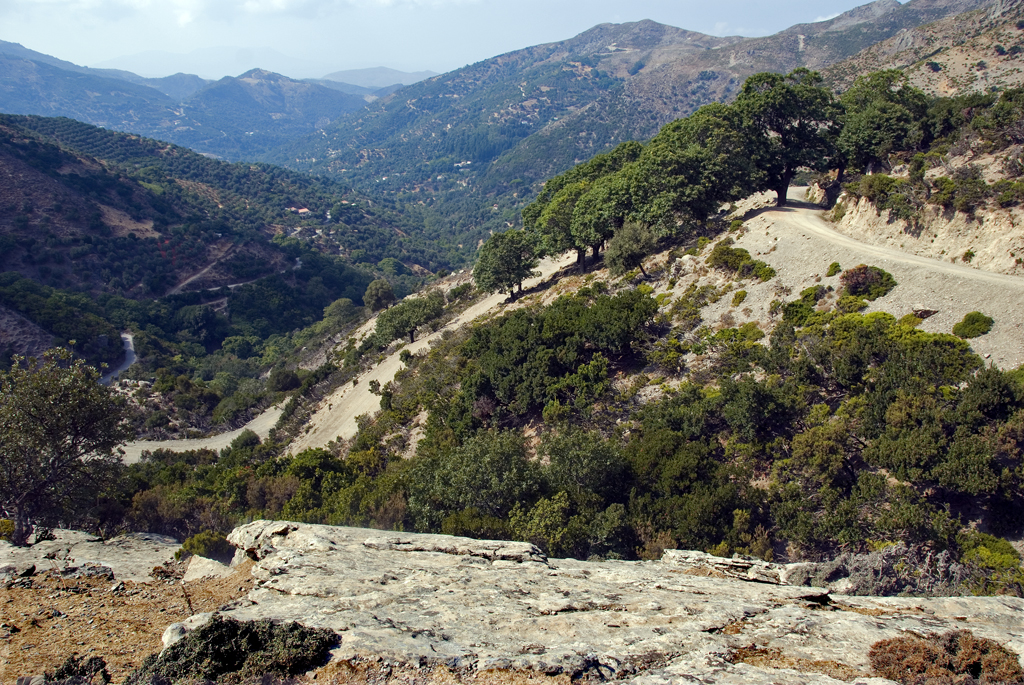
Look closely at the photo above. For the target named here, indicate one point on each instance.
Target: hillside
(104, 232)
(474, 144)
(241, 118)
(974, 52)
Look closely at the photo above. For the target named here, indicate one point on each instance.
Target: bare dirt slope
(48, 617)
(336, 416)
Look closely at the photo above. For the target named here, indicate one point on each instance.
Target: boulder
(201, 567)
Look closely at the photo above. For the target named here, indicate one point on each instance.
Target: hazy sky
(329, 35)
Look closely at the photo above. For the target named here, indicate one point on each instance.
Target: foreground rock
(126, 557)
(431, 599)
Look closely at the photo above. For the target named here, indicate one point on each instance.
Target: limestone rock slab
(492, 604)
(130, 557)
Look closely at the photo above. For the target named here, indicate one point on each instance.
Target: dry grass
(955, 657)
(378, 672)
(774, 658)
(45, 623)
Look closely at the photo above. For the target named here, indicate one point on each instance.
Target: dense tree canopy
(792, 121)
(883, 113)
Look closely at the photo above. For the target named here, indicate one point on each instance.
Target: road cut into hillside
(795, 240)
(800, 244)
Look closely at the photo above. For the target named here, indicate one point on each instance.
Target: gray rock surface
(488, 604)
(201, 567)
(129, 557)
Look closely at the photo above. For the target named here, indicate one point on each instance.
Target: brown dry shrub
(955, 657)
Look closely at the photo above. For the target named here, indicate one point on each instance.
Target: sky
(311, 38)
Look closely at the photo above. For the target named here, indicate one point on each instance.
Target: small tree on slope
(58, 432)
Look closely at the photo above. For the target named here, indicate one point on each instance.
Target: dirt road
(261, 425)
(800, 245)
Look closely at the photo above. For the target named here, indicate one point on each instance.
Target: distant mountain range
(477, 142)
(234, 118)
(379, 77)
(469, 147)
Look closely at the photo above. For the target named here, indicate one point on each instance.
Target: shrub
(848, 304)
(868, 282)
(460, 291)
(895, 194)
(736, 259)
(79, 670)
(283, 380)
(228, 650)
(833, 269)
(964, 192)
(735, 225)
(209, 544)
(941, 657)
(6, 529)
(973, 325)
(738, 298)
(799, 312)
(910, 320)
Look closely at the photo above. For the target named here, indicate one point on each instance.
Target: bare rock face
(433, 599)
(126, 557)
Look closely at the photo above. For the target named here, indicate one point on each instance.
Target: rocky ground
(112, 599)
(414, 609)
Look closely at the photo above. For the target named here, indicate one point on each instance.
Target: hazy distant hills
(241, 118)
(233, 118)
(478, 140)
(378, 77)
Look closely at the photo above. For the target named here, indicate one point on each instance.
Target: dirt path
(800, 245)
(261, 426)
(129, 358)
(336, 415)
(216, 260)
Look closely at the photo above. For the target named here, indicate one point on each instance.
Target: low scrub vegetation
(973, 325)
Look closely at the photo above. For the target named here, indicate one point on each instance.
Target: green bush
(738, 260)
(848, 304)
(973, 325)
(868, 282)
(895, 194)
(209, 544)
(833, 269)
(283, 380)
(738, 298)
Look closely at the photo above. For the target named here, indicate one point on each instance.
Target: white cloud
(831, 16)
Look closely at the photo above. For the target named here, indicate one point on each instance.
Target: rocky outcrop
(126, 557)
(429, 599)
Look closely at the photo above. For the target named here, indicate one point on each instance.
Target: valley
(542, 345)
